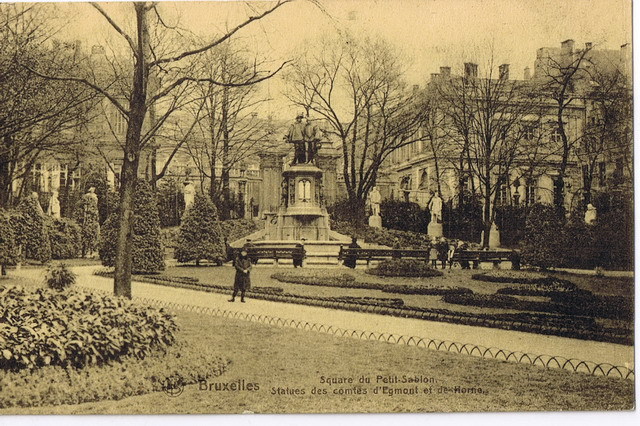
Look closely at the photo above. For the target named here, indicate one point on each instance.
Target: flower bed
(76, 329)
(55, 385)
(403, 268)
(567, 303)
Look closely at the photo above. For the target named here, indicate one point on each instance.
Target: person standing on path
(242, 282)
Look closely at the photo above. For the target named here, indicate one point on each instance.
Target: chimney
(470, 69)
(588, 45)
(567, 46)
(434, 76)
(527, 73)
(445, 71)
(503, 71)
(97, 49)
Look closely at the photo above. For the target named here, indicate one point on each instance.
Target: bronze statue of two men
(305, 138)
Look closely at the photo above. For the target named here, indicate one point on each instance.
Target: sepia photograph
(316, 207)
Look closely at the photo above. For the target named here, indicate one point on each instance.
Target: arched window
(304, 190)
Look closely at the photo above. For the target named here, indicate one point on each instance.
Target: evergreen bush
(404, 216)
(32, 230)
(543, 245)
(9, 253)
(66, 239)
(200, 235)
(87, 216)
(147, 251)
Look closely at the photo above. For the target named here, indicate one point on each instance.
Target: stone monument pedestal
(375, 221)
(434, 230)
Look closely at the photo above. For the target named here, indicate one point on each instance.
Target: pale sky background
(429, 33)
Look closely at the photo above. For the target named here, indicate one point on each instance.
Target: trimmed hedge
(403, 268)
(348, 281)
(516, 277)
(76, 329)
(55, 385)
(32, 231)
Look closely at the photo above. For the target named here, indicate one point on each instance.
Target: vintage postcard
(316, 206)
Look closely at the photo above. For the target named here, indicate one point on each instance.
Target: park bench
(382, 254)
(275, 253)
(475, 257)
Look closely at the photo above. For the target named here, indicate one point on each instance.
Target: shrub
(403, 268)
(464, 221)
(59, 277)
(424, 290)
(9, 254)
(511, 220)
(385, 237)
(76, 329)
(65, 237)
(403, 216)
(86, 215)
(200, 236)
(234, 229)
(542, 245)
(54, 385)
(32, 231)
(147, 252)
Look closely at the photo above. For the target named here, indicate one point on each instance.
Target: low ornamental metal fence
(546, 361)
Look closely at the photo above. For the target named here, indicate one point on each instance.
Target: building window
(119, 123)
(530, 192)
(602, 173)
(529, 132)
(503, 197)
(64, 170)
(556, 137)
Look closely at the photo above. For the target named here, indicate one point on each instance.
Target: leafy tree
(146, 250)
(87, 216)
(32, 230)
(200, 233)
(542, 245)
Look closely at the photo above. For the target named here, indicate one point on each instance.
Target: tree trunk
(137, 112)
(224, 176)
(5, 171)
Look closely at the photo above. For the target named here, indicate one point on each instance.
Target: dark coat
(351, 259)
(243, 280)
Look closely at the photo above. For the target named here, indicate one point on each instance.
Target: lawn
(281, 360)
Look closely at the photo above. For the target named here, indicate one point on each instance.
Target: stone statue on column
(434, 228)
(375, 198)
(54, 205)
(296, 137)
(189, 192)
(312, 140)
(590, 215)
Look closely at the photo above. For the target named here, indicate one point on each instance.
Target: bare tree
(38, 117)
(157, 54)
(605, 134)
(229, 129)
(486, 116)
(357, 88)
(562, 76)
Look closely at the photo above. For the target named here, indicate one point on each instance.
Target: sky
(428, 33)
